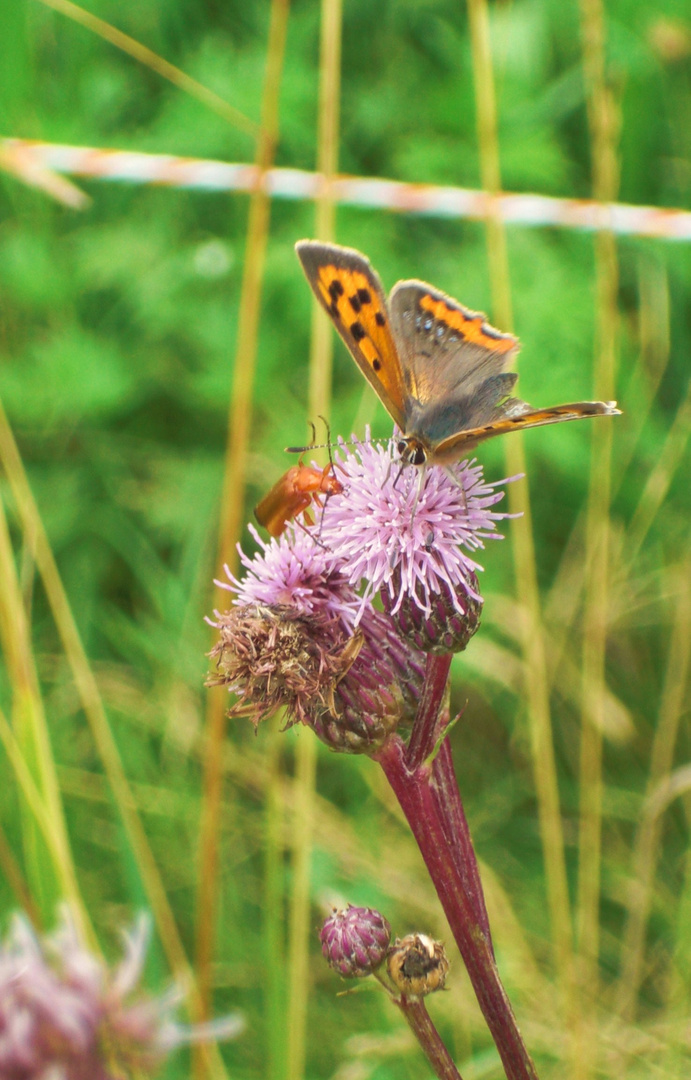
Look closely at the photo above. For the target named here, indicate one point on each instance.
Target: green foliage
(119, 327)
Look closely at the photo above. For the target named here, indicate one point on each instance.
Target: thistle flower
(295, 571)
(412, 540)
(289, 641)
(355, 940)
(65, 1015)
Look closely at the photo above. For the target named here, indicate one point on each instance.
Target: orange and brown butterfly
(292, 495)
(438, 368)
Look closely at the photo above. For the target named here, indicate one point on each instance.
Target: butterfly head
(411, 451)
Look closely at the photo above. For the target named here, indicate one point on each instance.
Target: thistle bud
(417, 965)
(447, 626)
(378, 694)
(355, 941)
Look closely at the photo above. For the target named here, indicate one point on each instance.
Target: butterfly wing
(446, 350)
(350, 292)
(454, 365)
(515, 415)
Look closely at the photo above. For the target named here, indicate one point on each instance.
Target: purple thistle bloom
(389, 539)
(295, 571)
(65, 1016)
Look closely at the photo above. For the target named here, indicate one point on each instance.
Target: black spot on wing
(379, 319)
(376, 364)
(364, 296)
(357, 330)
(355, 304)
(336, 289)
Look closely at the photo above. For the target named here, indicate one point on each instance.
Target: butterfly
(437, 367)
(292, 495)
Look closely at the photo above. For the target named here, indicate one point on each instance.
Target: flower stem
(424, 737)
(413, 789)
(426, 728)
(447, 798)
(422, 1027)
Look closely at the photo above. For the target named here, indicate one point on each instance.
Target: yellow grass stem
(13, 876)
(87, 689)
(234, 485)
(274, 981)
(152, 60)
(43, 820)
(321, 347)
(321, 352)
(533, 644)
(565, 596)
(672, 705)
(603, 126)
(50, 868)
(658, 483)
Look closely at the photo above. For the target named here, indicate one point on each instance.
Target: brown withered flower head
(290, 641)
(417, 965)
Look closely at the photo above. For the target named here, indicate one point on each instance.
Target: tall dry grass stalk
(49, 860)
(106, 746)
(321, 353)
(603, 123)
(672, 705)
(533, 642)
(156, 63)
(234, 485)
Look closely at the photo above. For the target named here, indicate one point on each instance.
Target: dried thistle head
(273, 657)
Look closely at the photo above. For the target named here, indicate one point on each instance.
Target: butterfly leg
(422, 472)
(457, 482)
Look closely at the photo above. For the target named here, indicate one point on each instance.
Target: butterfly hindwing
(516, 415)
(446, 350)
(350, 292)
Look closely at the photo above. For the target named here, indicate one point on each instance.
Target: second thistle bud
(355, 941)
(446, 628)
(417, 965)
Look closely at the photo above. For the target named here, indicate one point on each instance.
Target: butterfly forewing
(350, 292)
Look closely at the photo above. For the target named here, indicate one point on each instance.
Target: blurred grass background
(121, 329)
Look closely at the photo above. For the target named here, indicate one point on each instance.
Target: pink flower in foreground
(64, 1015)
(389, 539)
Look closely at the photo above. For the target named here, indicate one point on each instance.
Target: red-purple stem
(447, 798)
(430, 722)
(413, 789)
(426, 729)
(420, 1023)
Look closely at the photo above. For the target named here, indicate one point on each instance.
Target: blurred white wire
(28, 160)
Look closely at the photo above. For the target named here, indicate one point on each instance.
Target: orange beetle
(293, 493)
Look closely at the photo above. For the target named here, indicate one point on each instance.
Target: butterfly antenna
(329, 444)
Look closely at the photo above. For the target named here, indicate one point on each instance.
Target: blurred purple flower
(388, 538)
(64, 1015)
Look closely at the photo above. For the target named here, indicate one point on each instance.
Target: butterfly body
(438, 368)
(292, 494)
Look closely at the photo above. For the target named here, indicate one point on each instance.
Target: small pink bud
(355, 941)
